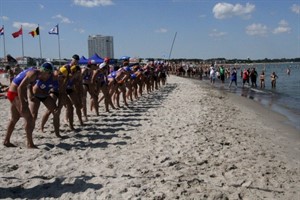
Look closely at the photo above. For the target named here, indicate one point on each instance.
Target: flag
(2, 30)
(54, 30)
(35, 32)
(18, 33)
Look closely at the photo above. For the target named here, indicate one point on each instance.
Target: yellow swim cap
(64, 71)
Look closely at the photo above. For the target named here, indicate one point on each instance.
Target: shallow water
(284, 99)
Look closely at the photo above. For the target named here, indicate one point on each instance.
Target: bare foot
(8, 144)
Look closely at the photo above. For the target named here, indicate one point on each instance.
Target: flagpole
(58, 46)
(172, 46)
(22, 43)
(40, 42)
(4, 50)
(58, 43)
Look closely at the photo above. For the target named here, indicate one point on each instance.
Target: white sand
(184, 141)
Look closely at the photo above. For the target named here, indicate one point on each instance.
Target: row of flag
(33, 33)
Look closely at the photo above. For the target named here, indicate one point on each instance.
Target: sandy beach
(183, 141)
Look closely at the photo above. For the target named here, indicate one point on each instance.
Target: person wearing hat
(17, 95)
(99, 78)
(122, 76)
(41, 93)
(58, 94)
(137, 80)
(88, 87)
(74, 88)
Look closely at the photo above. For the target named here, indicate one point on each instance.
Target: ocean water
(284, 99)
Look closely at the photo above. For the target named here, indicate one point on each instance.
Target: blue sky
(146, 28)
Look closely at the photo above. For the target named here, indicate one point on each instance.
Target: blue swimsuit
(19, 78)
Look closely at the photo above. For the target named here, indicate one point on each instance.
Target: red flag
(18, 33)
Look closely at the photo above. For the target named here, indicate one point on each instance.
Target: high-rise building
(102, 45)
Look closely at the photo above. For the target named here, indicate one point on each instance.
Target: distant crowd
(213, 72)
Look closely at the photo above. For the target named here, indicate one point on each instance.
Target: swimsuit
(70, 84)
(19, 78)
(45, 86)
(113, 75)
(41, 97)
(11, 95)
(133, 76)
(101, 79)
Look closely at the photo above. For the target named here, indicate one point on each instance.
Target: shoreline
(290, 117)
(274, 120)
(182, 141)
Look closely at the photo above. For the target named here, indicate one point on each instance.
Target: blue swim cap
(47, 67)
(125, 58)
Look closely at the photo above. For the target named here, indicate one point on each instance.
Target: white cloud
(41, 6)
(295, 8)
(4, 18)
(79, 30)
(282, 28)
(227, 10)
(93, 3)
(257, 29)
(217, 34)
(283, 23)
(63, 19)
(161, 30)
(25, 25)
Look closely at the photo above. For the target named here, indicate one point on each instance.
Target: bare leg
(84, 96)
(123, 90)
(15, 116)
(69, 113)
(51, 106)
(45, 119)
(77, 106)
(29, 127)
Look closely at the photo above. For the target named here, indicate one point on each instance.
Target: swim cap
(92, 62)
(125, 58)
(64, 71)
(47, 67)
(102, 65)
(106, 59)
(76, 57)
